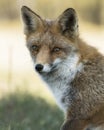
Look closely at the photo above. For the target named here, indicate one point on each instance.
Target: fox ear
(31, 20)
(68, 23)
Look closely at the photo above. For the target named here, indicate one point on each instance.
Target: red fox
(73, 70)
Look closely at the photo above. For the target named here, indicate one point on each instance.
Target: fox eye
(34, 48)
(56, 49)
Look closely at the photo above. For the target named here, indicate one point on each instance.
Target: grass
(28, 107)
(25, 112)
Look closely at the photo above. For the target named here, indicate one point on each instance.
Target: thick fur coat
(73, 70)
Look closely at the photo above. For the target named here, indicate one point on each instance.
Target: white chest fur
(59, 81)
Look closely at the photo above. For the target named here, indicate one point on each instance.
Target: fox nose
(39, 67)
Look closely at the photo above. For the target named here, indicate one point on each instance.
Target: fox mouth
(52, 69)
(48, 68)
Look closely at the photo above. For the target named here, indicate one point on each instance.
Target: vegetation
(22, 111)
(27, 104)
(92, 11)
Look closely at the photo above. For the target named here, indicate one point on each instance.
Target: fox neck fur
(59, 81)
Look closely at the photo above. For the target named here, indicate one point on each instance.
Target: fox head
(51, 42)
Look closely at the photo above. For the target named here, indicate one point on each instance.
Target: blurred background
(25, 102)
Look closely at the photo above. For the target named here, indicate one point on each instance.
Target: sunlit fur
(73, 70)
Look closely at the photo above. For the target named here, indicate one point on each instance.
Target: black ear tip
(24, 8)
(70, 10)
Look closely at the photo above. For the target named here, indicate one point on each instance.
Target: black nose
(39, 67)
